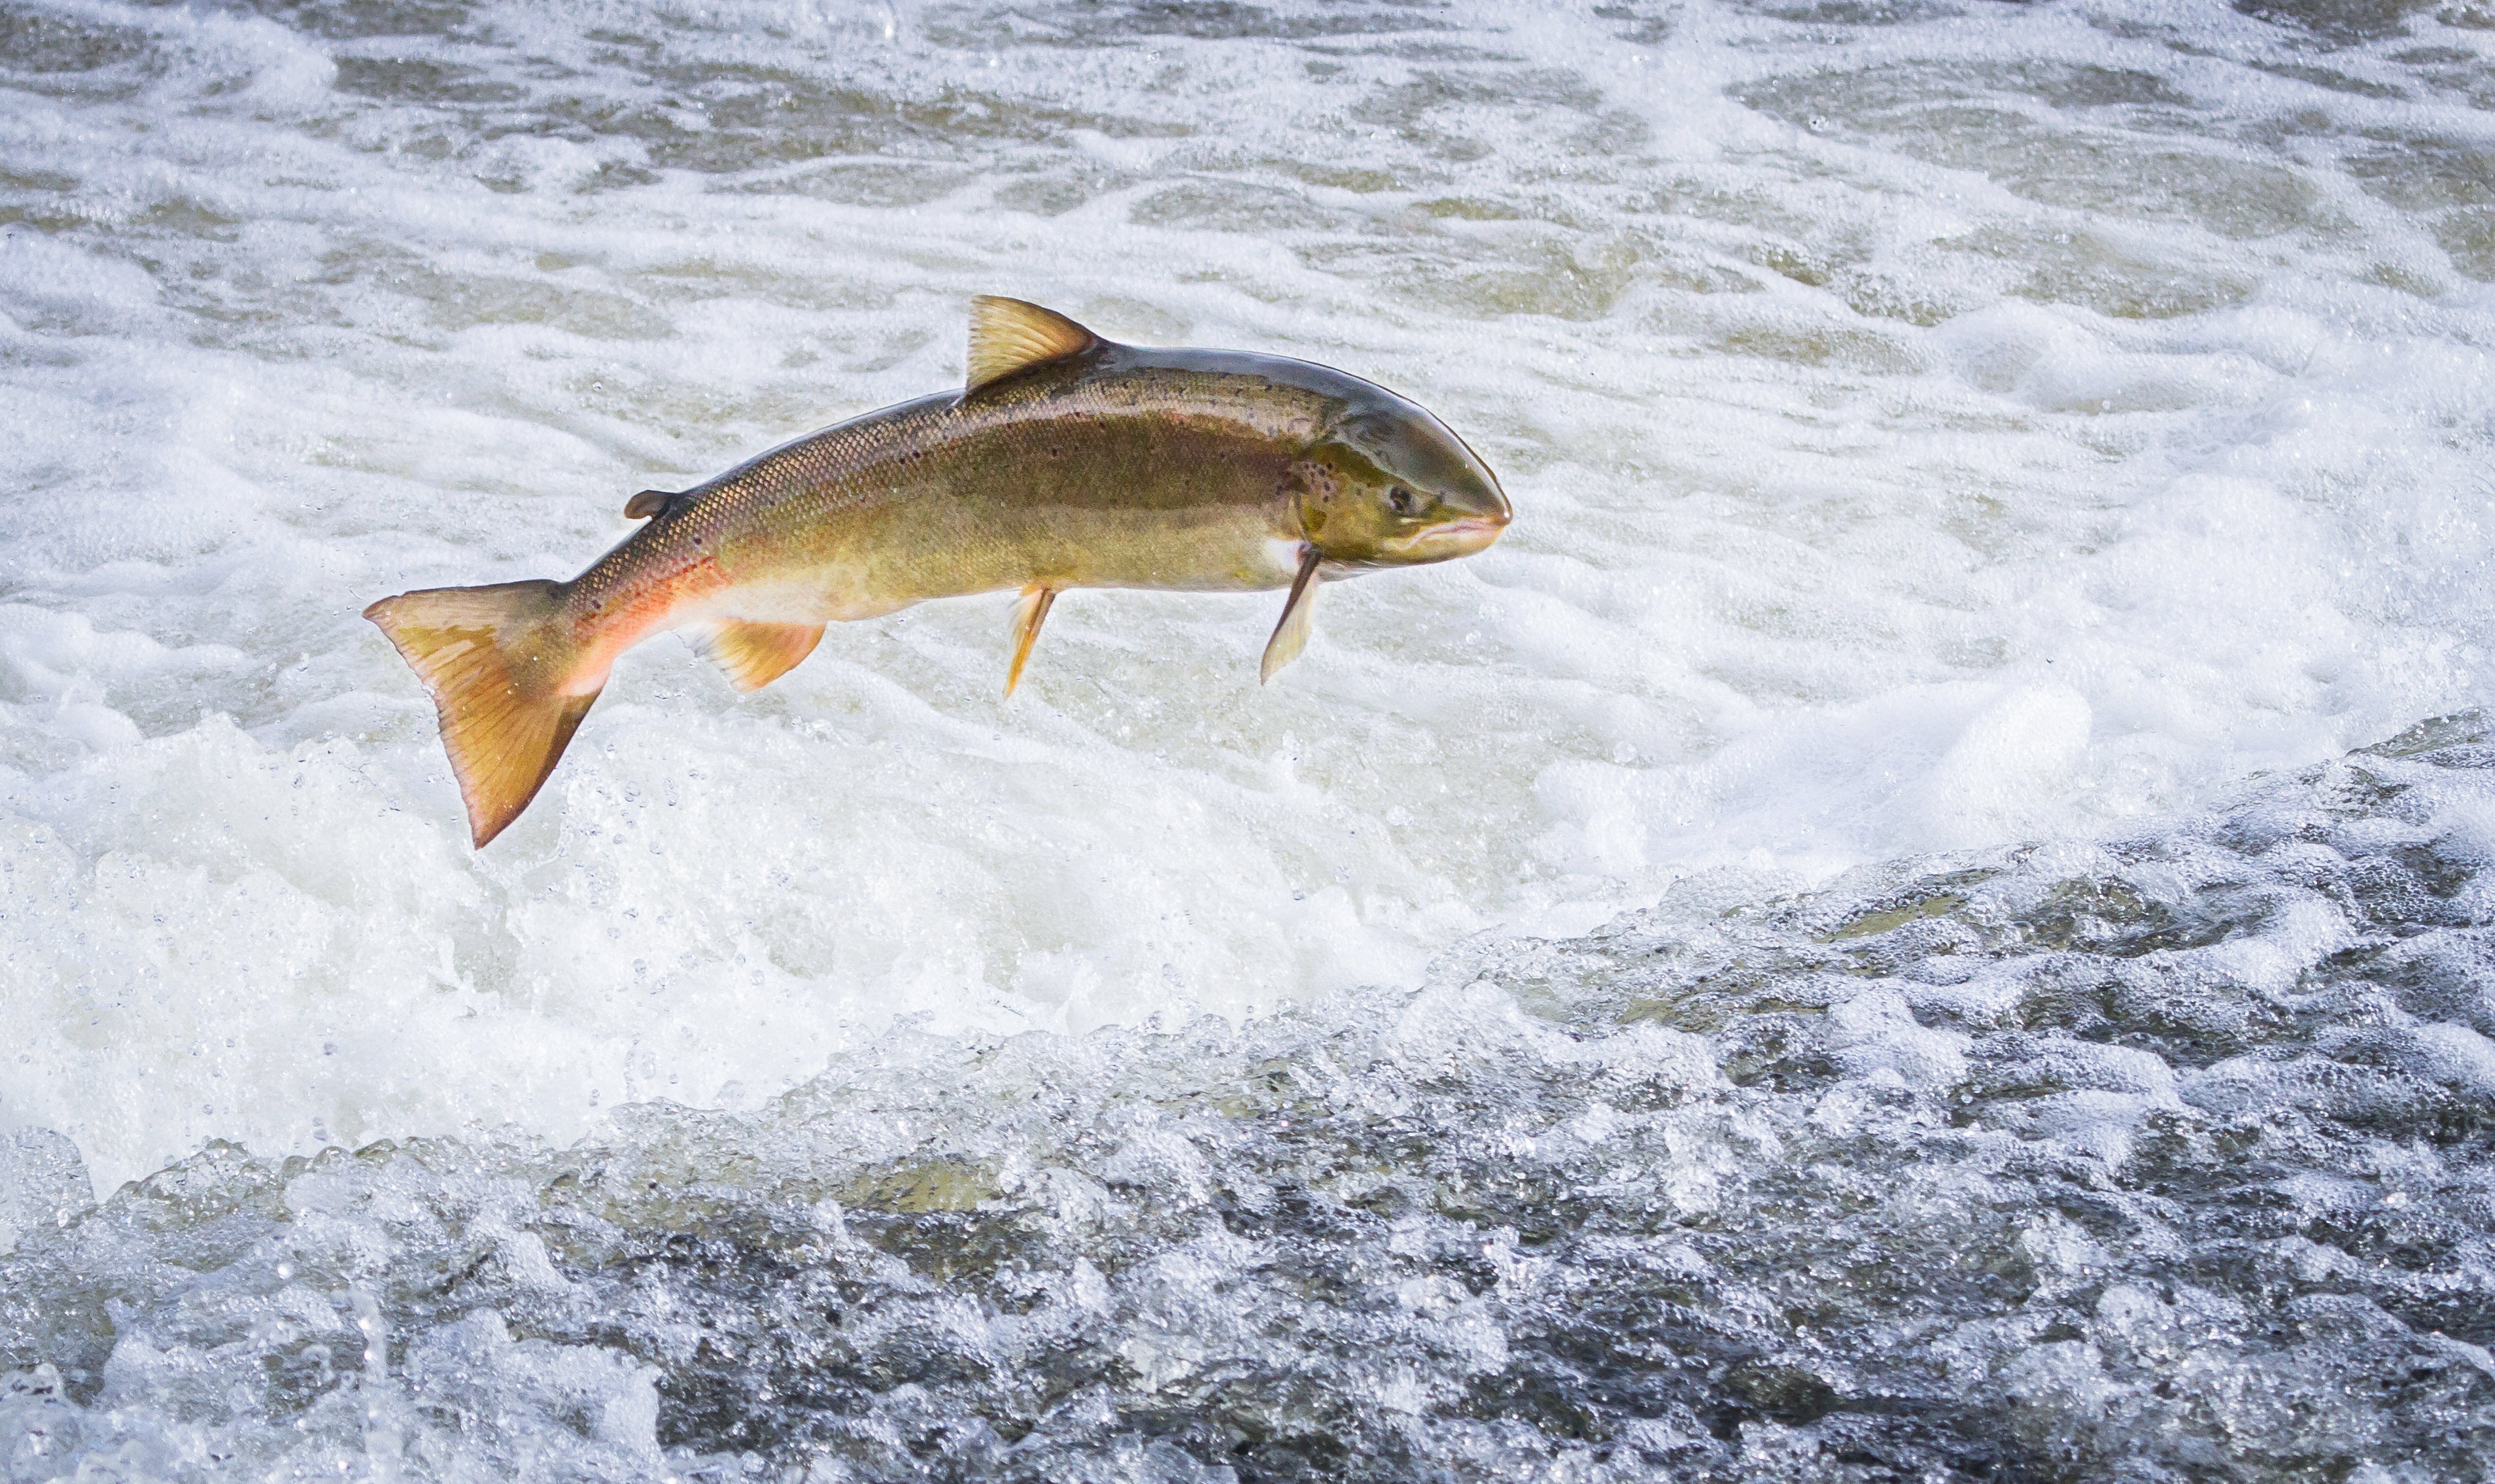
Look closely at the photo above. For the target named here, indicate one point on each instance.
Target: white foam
(1899, 465)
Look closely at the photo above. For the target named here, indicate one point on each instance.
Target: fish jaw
(1449, 540)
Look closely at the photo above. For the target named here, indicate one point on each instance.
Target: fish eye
(1402, 500)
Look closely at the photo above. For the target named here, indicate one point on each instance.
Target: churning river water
(1925, 915)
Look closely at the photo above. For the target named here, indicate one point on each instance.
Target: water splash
(2169, 1153)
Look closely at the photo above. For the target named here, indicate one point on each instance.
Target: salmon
(1067, 461)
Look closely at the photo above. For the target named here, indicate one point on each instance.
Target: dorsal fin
(1008, 334)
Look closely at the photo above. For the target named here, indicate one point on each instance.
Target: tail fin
(493, 658)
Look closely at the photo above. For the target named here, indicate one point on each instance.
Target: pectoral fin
(754, 655)
(1029, 614)
(1292, 635)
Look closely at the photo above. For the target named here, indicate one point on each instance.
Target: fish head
(1386, 484)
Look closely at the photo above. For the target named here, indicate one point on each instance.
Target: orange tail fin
(494, 658)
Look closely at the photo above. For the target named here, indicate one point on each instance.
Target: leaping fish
(1067, 461)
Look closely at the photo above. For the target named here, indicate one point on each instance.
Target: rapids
(1855, 942)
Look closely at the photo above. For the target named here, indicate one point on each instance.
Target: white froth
(1922, 436)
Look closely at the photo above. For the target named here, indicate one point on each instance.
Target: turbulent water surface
(1857, 941)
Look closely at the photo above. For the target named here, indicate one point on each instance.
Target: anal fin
(1029, 614)
(754, 655)
(1292, 635)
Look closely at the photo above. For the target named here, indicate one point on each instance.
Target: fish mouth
(1453, 537)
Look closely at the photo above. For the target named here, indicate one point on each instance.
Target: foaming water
(1925, 434)
(2105, 1161)
(1931, 428)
